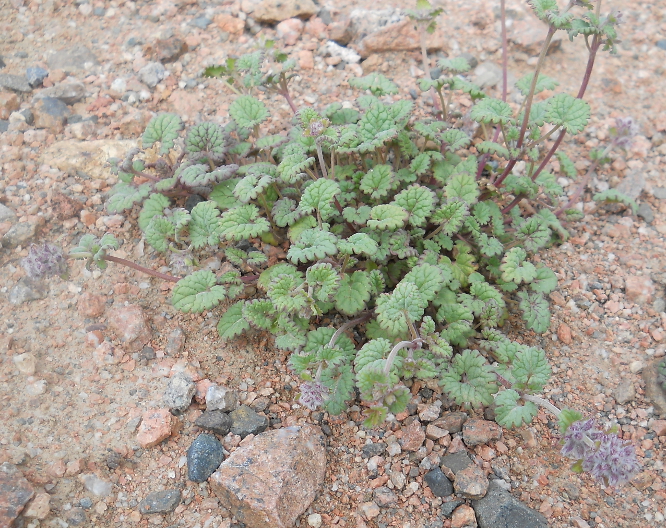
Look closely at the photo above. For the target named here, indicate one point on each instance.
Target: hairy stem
(142, 269)
(541, 402)
(347, 326)
(426, 69)
(397, 348)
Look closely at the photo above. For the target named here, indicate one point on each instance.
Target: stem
(542, 403)
(397, 348)
(505, 55)
(284, 92)
(426, 69)
(142, 269)
(320, 155)
(347, 326)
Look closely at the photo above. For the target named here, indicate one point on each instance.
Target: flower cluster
(313, 394)
(43, 261)
(626, 129)
(605, 456)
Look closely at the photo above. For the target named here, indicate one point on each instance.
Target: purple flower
(626, 130)
(313, 394)
(614, 462)
(574, 439)
(45, 260)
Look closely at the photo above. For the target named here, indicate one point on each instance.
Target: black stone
(216, 421)
(370, 450)
(438, 483)
(471, 60)
(435, 73)
(192, 201)
(203, 457)
(457, 461)
(35, 76)
(147, 353)
(160, 502)
(447, 508)
(2, 63)
(246, 421)
(499, 509)
(113, 460)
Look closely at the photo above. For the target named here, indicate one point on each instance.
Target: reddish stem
(141, 268)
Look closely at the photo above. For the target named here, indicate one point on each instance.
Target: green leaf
(534, 233)
(260, 313)
(270, 142)
(282, 293)
(294, 163)
(358, 243)
(490, 147)
(387, 216)
(223, 194)
(462, 186)
(509, 413)
(372, 351)
(535, 311)
(469, 380)
(405, 304)
(531, 369)
(375, 121)
(378, 181)
(248, 112)
(566, 165)
(491, 110)
(543, 8)
(451, 216)
(197, 292)
(323, 279)
(204, 225)
(125, 195)
(319, 196)
(418, 201)
(376, 83)
(543, 83)
(613, 195)
(515, 268)
(158, 231)
(455, 65)
(549, 185)
(427, 278)
(455, 139)
(341, 116)
(302, 224)
(252, 186)
(153, 206)
(282, 268)
(206, 137)
(567, 417)
(164, 128)
(313, 244)
(568, 112)
(545, 281)
(353, 293)
(233, 322)
(521, 185)
(285, 212)
(242, 223)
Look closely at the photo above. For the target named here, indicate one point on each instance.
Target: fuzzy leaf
(324, 279)
(313, 244)
(535, 311)
(353, 293)
(319, 195)
(534, 233)
(451, 216)
(194, 175)
(545, 281)
(260, 313)
(566, 165)
(358, 243)
(568, 112)
(509, 413)
(204, 225)
(531, 369)
(418, 201)
(223, 194)
(293, 164)
(376, 83)
(521, 185)
(153, 206)
(427, 278)
(491, 110)
(543, 83)
(158, 231)
(270, 142)
(252, 186)
(515, 268)
(469, 380)
(549, 185)
(164, 128)
(242, 223)
(404, 304)
(378, 181)
(125, 195)
(282, 268)
(462, 186)
(372, 351)
(197, 292)
(285, 212)
(490, 147)
(206, 137)
(387, 216)
(282, 295)
(233, 322)
(248, 111)
(456, 64)
(455, 139)
(613, 195)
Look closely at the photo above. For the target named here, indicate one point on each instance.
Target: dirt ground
(77, 413)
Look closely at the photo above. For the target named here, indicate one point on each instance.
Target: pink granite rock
(155, 426)
(15, 492)
(131, 327)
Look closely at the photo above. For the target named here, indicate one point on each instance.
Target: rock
(447, 508)
(305, 60)
(499, 509)
(452, 464)
(653, 389)
(270, 481)
(290, 30)
(6, 214)
(384, 497)
(9, 102)
(529, 36)
(151, 74)
(71, 59)
(430, 413)
(35, 76)
(19, 234)
(202, 22)
(471, 482)
(15, 492)
(204, 457)
(220, 398)
(659, 427)
(345, 54)
(179, 393)
(435, 433)
(340, 31)
(50, 113)
(4, 125)
(633, 184)
(25, 363)
(245, 421)
(271, 11)
(131, 326)
(369, 510)
(164, 501)
(374, 449)
(27, 290)
(413, 436)
(156, 425)
(76, 517)
(15, 83)
(451, 421)
(639, 289)
(175, 342)
(564, 333)
(216, 421)
(229, 23)
(398, 479)
(438, 483)
(487, 74)
(95, 485)
(39, 508)
(90, 157)
(68, 92)
(463, 516)
(646, 213)
(314, 520)
(477, 432)
(167, 50)
(659, 193)
(91, 305)
(624, 392)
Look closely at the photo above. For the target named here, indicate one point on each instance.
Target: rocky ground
(88, 366)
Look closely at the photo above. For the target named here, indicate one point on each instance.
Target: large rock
(529, 36)
(15, 83)
(51, 113)
(499, 509)
(15, 492)
(271, 11)
(71, 59)
(130, 324)
(273, 479)
(67, 92)
(87, 156)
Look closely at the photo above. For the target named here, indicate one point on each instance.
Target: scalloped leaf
(490, 110)
(451, 216)
(125, 195)
(509, 413)
(353, 293)
(405, 304)
(387, 216)
(462, 186)
(378, 181)
(313, 244)
(319, 196)
(204, 225)
(531, 369)
(535, 311)
(197, 292)
(242, 223)
(469, 380)
(223, 194)
(568, 112)
(251, 186)
(377, 83)
(248, 112)
(545, 281)
(534, 233)
(613, 195)
(324, 279)
(285, 212)
(543, 83)
(158, 232)
(153, 206)
(233, 322)
(418, 201)
(514, 268)
(164, 128)
(206, 137)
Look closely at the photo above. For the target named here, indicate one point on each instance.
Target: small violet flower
(627, 129)
(313, 394)
(44, 261)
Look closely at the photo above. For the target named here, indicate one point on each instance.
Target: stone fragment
(71, 59)
(25, 363)
(471, 482)
(272, 11)
(384, 497)
(290, 30)
(369, 510)
(6, 214)
(413, 436)
(35, 76)
(27, 290)
(246, 421)
(452, 464)
(91, 305)
(564, 333)
(438, 483)
(220, 398)
(463, 517)
(15, 492)
(229, 23)
(67, 92)
(270, 481)
(130, 325)
(451, 421)
(90, 157)
(659, 427)
(435, 433)
(499, 509)
(477, 432)
(639, 289)
(340, 31)
(164, 501)
(305, 60)
(646, 212)
(16, 83)
(19, 234)
(50, 113)
(632, 184)
(179, 393)
(204, 456)
(398, 479)
(374, 449)
(151, 74)
(9, 102)
(39, 508)
(314, 520)
(529, 35)
(343, 54)
(96, 485)
(167, 50)
(156, 425)
(447, 508)
(624, 392)
(430, 413)
(76, 517)
(216, 421)
(487, 74)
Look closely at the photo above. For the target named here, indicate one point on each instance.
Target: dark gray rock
(28, 115)
(370, 450)
(447, 507)
(50, 113)
(68, 92)
(19, 234)
(438, 483)
(499, 509)
(471, 59)
(2, 63)
(452, 464)
(15, 83)
(201, 22)
(76, 517)
(27, 290)
(160, 502)
(74, 58)
(179, 393)
(35, 76)
(216, 421)
(86, 503)
(645, 212)
(203, 457)
(245, 421)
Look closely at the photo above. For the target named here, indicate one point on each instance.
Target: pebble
(370, 510)
(646, 213)
(246, 421)
(659, 193)
(25, 363)
(624, 392)
(346, 54)
(374, 449)
(15, 492)
(216, 421)
(203, 457)
(35, 76)
(155, 426)
(661, 44)
(96, 485)
(27, 290)
(447, 508)
(314, 520)
(463, 516)
(220, 398)
(438, 483)
(131, 326)
(179, 393)
(67, 92)
(151, 74)
(75, 58)
(452, 464)
(15, 83)
(476, 432)
(271, 11)
(639, 289)
(6, 214)
(86, 503)
(413, 436)
(430, 413)
(451, 421)
(384, 497)
(499, 509)
(471, 482)
(50, 113)
(76, 517)
(160, 502)
(201, 22)
(39, 508)
(393, 449)
(19, 234)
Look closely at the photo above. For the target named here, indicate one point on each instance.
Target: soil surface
(77, 412)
